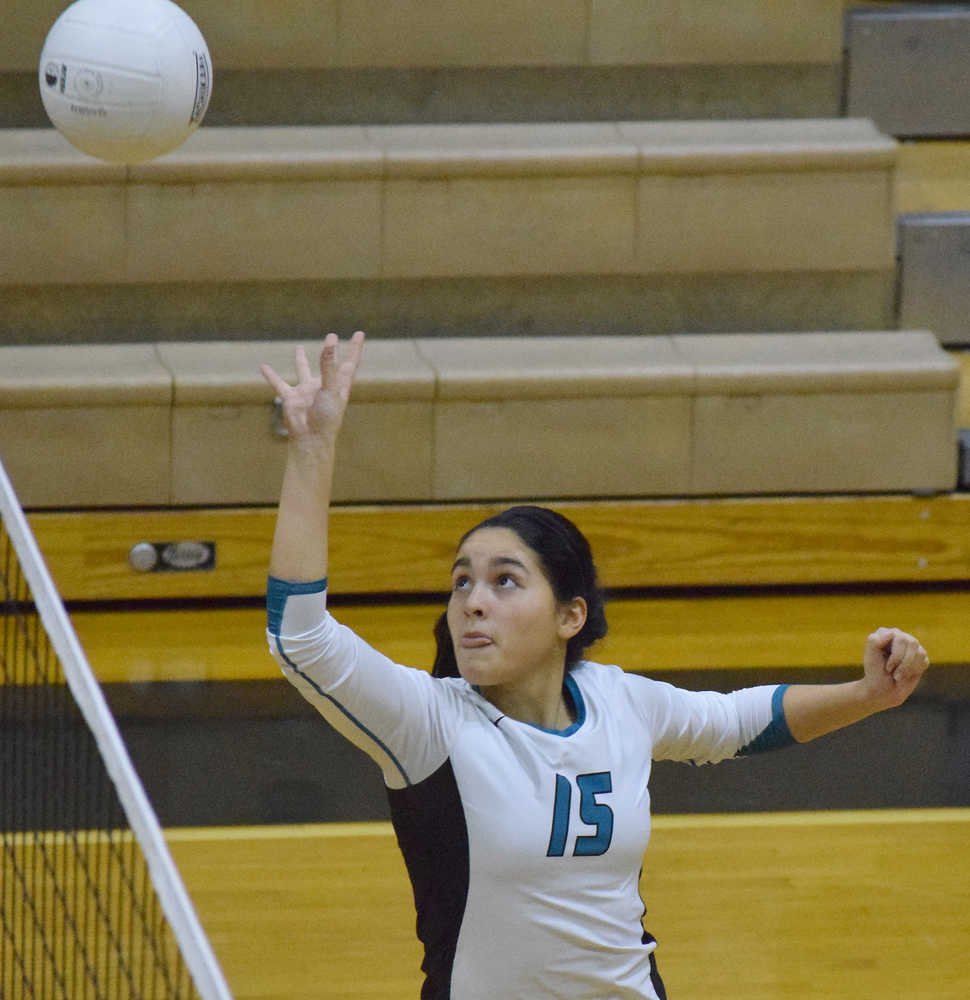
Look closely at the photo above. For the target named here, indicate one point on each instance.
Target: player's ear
(572, 617)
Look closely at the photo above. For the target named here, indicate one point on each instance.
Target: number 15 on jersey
(591, 811)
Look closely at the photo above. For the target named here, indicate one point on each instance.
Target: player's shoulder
(612, 683)
(602, 673)
(595, 671)
(605, 678)
(454, 687)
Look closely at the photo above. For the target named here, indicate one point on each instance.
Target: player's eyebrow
(463, 562)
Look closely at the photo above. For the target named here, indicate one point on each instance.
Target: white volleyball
(125, 80)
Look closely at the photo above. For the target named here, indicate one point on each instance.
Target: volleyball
(125, 80)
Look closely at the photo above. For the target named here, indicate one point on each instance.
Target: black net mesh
(79, 915)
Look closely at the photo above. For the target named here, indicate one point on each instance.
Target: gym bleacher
(693, 275)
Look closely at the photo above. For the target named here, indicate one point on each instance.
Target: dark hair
(567, 561)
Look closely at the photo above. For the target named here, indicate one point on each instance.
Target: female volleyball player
(517, 773)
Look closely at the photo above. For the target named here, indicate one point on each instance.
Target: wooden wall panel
(637, 544)
(646, 635)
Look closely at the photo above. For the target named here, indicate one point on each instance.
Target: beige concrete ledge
(685, 32)
(35, 157)
(817, 412)
(87, 425)
(767, 222)
(763, 196)
(462, 33)
(288, 230)
(585, 416)
(505, 227)
(564, 368)
(38, 157)
(211, 373)
(717, 147)
(859, 362)
(225, 433)
(83, 375)
(492, 418)
(68, 234)
(255, 35)
(505, 150)
(267, 153)
(303, 204)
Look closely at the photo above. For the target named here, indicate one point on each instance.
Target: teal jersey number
(592, 812)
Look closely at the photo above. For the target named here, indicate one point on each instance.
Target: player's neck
(541, 703)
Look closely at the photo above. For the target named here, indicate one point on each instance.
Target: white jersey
(524, 845)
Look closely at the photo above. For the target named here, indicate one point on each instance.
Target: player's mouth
(474, 640)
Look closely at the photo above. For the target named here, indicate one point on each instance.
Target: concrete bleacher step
(361, 61)
(465, 229)
(481, 418)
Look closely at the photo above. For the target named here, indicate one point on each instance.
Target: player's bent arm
(813, 710)
(893, 664)
(705, 727)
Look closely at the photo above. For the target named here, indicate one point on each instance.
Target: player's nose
(475, 601)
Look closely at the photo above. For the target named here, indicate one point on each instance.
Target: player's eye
(461, 582)
(506, 580)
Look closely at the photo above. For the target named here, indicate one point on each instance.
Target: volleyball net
(91, 904)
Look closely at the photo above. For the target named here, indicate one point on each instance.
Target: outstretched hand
(894, 662)
(313, 409)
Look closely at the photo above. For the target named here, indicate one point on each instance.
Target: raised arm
(313, 410)
(893, 664)
(402, 718)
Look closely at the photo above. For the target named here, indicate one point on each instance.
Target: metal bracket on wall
(172, 557)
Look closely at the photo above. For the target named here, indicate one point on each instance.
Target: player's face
(504, 619)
